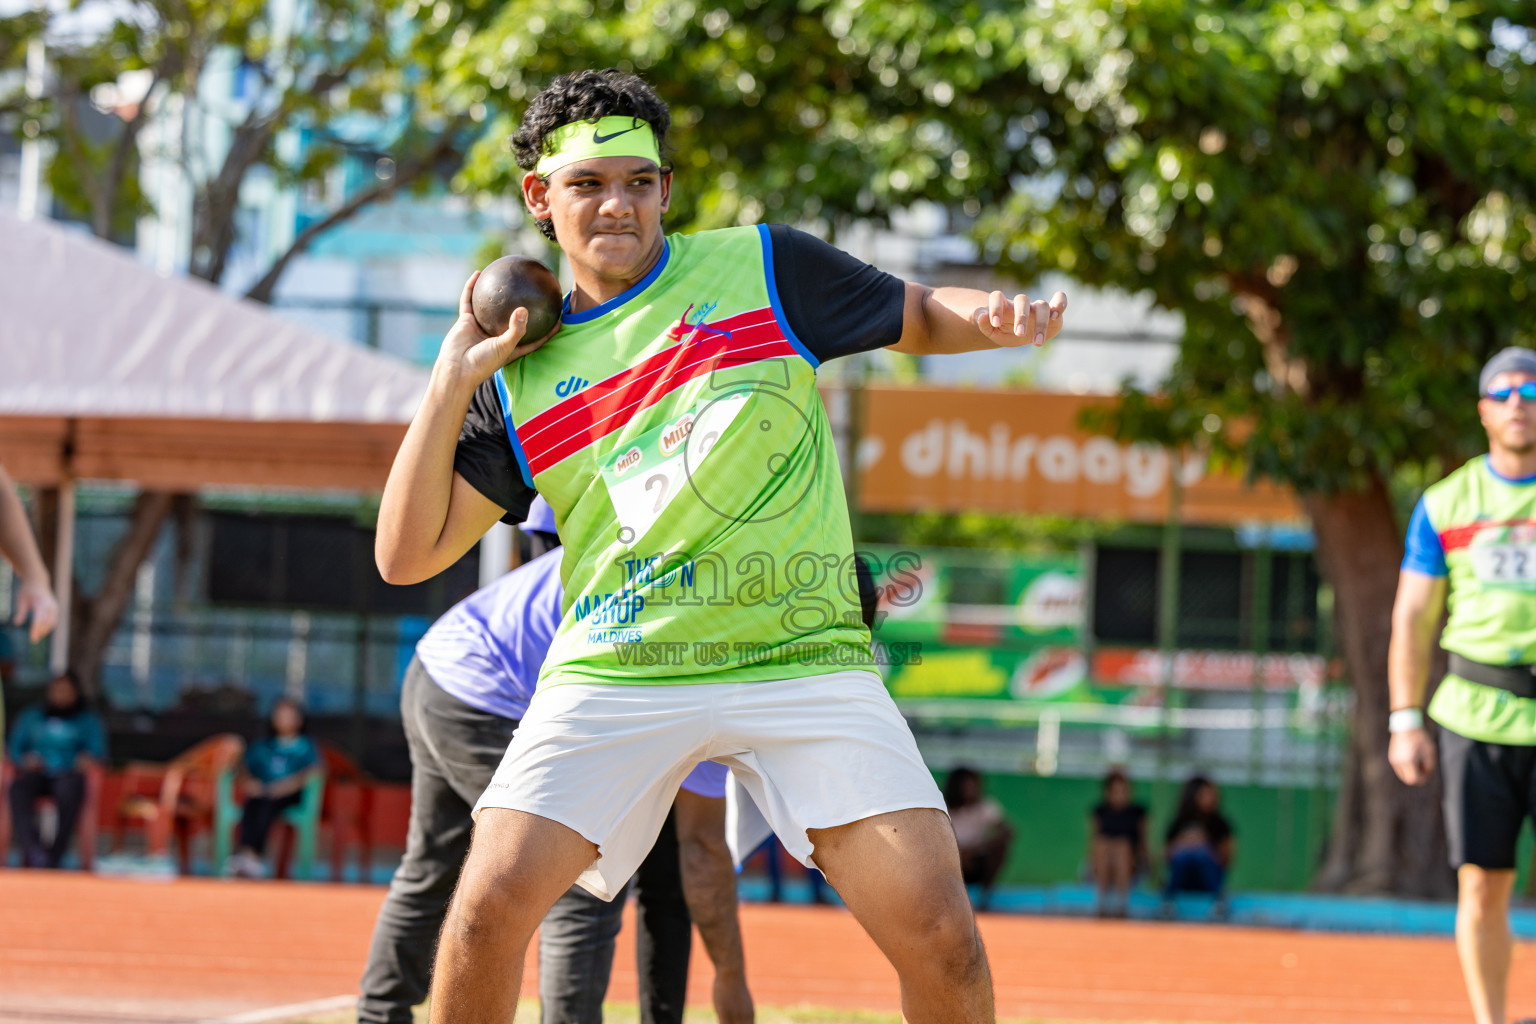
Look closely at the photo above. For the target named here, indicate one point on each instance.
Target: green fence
(1280, 830)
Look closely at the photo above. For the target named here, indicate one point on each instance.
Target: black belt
(1519, 680)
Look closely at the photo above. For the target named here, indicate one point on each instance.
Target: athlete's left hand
(1412, 756)
(733, 1001)
(1010, 323)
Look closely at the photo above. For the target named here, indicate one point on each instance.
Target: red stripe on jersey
(639, 374)
(1461, 536)
(592, 414)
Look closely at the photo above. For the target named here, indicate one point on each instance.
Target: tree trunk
(1387, 837)
(406, 172)
(218, 200)
(97, 616)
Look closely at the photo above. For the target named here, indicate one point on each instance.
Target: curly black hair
(587, 95)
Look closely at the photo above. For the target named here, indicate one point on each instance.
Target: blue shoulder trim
(506, 419)
(1422, 551)
(773, 298)
(614, 303)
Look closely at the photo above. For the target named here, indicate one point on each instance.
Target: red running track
(74, 948)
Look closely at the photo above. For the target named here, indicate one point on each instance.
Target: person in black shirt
(1199, 843)
(1117, 829)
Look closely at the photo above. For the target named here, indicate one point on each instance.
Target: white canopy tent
(110, 371)
(87, 331)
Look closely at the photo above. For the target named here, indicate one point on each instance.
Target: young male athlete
(1472, 544)
(711, 608)
(464, 693)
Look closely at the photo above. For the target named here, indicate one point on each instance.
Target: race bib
(645, 476)
(1504, 564)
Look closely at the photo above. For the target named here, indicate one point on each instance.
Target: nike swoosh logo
(600, 139)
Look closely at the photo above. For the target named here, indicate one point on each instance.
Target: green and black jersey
(678, 435)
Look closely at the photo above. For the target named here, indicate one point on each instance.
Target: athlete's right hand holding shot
(417, 538)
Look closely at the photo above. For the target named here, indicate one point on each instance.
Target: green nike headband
(603, 136)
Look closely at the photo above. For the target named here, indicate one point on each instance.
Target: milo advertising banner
(981, 624)
(999, 626)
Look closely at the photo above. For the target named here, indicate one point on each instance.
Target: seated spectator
(276, 769)
(981, 831)
(55, 741)
(1199, 843)
(1117, 831)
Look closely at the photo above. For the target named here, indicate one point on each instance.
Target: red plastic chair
(192, 794)
(85, 830)
(346, 814)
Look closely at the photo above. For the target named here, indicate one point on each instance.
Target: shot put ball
(514, 281)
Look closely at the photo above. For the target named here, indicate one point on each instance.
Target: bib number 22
(1505, 563)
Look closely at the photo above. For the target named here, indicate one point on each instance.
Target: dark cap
(1512, 360)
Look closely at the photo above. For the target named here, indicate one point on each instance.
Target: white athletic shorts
(607, 760)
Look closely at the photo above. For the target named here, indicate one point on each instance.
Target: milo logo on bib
(674, 434)
(626, 462)
(662, 463)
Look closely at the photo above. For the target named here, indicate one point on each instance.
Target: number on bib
(1504, 563)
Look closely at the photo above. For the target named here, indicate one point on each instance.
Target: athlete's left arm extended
(709, 887)
(936, 321)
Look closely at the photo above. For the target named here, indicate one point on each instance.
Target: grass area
(629, 1013)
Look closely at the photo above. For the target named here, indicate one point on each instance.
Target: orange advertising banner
(951, 450)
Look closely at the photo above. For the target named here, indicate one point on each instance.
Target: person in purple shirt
(463, 696)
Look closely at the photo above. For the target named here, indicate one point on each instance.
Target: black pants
(68, 792)
(576, 942)
(455, 750)
(664, 931)
(258, 817)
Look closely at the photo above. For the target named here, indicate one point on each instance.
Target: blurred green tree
(1337, 196)
(216, 87)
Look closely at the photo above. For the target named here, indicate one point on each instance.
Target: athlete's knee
(483, 895)
(944, 926)
(492, 895)
(1483, 892)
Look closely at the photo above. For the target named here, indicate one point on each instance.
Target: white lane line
(291, 1011)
